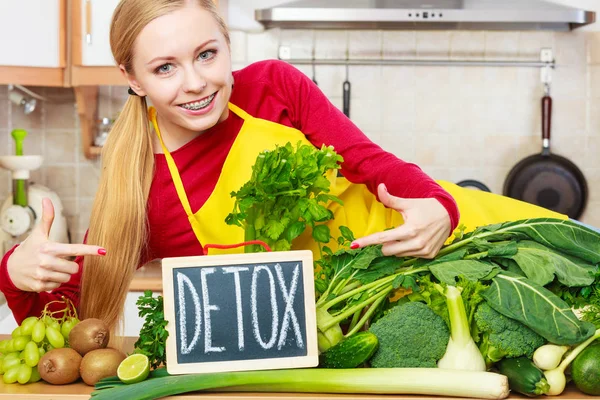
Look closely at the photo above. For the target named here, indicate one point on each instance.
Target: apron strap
(172, 167)
(171, 163)
(239, 112)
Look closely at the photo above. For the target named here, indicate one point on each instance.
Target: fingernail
(102, 252)
(354, 246)
(385, 188)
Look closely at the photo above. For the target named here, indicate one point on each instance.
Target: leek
(462, 353)
(420, 381)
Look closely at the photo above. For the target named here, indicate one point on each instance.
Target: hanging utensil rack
(546, 62)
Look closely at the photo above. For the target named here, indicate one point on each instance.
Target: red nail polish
(102, 252)
(354, 246)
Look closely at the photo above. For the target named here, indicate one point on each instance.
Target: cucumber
(523, 376)
(351, 352)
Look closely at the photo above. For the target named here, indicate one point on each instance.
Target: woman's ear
(133, 83)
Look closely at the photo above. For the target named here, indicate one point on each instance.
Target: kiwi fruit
(100, 363)
(60, 366)
(89, 334)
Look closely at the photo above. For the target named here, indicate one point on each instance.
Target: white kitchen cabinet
(32, 33)
(95, 32)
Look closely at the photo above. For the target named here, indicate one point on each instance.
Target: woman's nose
(194, 81)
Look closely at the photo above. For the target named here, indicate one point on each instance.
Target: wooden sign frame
(311, 359)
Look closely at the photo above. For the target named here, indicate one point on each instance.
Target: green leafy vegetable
(585, 299)
(562, 235)
(287, 192)
(537, 308)
(541, 264)
(447, 272)
(153, 335)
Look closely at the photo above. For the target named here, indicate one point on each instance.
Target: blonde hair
(119, 219)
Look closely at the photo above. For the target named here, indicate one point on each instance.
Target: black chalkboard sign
(240, 312)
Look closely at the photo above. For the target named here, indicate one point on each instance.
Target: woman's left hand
(426, 227)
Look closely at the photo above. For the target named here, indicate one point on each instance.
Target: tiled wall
(455, 122)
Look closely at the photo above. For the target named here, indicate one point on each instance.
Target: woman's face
(182, 62)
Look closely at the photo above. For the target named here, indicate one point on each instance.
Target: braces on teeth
(200, 104)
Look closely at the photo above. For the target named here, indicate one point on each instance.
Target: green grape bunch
(20, 355)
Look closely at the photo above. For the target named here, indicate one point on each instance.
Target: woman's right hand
(39, 265)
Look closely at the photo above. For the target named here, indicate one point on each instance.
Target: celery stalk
(422, 381)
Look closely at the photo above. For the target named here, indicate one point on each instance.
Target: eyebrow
(170, 58)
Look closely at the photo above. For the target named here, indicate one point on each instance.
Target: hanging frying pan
(548, 180)
(474, 184)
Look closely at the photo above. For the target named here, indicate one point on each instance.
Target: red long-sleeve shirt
(271, 90)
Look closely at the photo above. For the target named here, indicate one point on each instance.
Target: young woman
(168, 170)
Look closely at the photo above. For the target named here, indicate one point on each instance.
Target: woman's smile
(200, 106)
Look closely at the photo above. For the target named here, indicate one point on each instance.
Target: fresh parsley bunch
(287, 192)
(153, 335)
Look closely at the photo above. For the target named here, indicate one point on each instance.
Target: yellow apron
(361, 212)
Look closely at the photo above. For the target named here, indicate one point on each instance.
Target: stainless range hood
(425, 15)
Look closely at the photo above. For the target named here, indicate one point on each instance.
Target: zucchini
(524, 376)
(350, 352)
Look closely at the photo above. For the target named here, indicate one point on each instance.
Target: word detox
(240, 312)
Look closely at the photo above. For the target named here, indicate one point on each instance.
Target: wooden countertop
(80, 391)
(148, 277)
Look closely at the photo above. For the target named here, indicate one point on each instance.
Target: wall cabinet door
(32, 33)
(94, 32)
(95, 17)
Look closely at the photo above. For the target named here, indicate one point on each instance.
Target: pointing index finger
(65, 249)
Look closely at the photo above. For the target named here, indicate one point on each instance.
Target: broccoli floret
(500, 336)
(410, 335)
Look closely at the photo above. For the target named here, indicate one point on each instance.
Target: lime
(135, 368)
(585, 370)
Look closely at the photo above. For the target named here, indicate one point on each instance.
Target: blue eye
(164, 69)
(206, 55)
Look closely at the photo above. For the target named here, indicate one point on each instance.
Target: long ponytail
(118, 220)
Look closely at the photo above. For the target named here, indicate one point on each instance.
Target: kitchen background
(455, 122)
